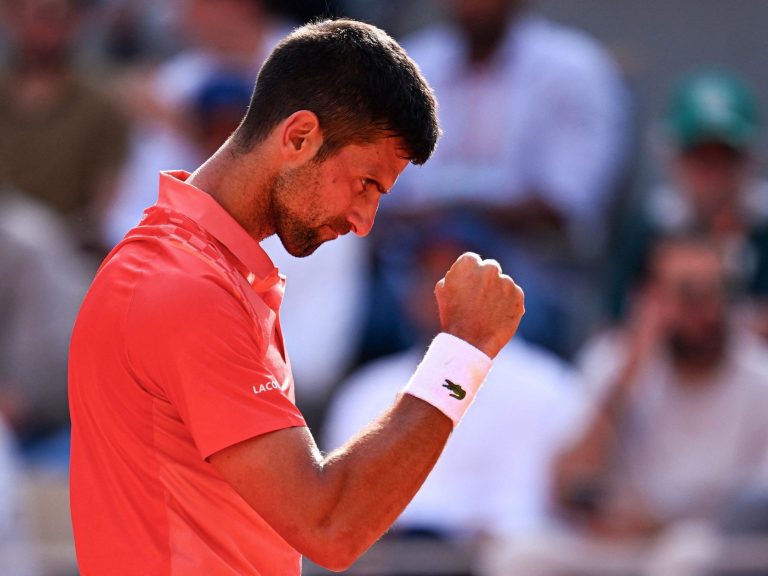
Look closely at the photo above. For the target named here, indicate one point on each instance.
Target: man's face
(321, 201)
(43, 29)
(479, 14)
(484, 21)
(713, 175)
(689, 279)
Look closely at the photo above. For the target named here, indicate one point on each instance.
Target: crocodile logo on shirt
(456, 391)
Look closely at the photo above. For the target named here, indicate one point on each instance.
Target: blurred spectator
(217, 109)
(227, 42)
(130, 31)
(534, 119)
(398, 17)
(678, 429)
(747, 517)
(61, 140)
(44, 279)
(494, 476)
(675, 436)
(173, 140)
(709, 188)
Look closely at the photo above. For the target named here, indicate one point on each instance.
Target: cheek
(339, 199)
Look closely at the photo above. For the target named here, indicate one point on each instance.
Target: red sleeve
(192, 342)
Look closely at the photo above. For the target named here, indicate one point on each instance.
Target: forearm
(368, 482)
(361, 488)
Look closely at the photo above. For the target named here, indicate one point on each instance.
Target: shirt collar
(178, 196)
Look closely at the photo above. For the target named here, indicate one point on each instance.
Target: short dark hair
(357, 80)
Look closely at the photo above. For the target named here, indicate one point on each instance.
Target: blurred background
(611, 155)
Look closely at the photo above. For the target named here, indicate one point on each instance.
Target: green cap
(713, 106)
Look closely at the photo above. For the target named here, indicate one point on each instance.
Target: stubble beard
(287, 190)
(704, 353)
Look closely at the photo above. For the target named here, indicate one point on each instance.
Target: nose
(362, 216)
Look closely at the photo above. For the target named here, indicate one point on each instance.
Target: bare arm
(333, 508)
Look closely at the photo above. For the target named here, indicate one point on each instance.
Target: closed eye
(370, 182)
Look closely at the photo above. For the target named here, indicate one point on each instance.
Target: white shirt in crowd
(547, 116)
(687, 451)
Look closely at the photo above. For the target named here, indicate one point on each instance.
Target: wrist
(487, 346)
(450, 375)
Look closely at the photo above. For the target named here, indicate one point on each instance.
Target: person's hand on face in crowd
(480, 304)
(648, 322)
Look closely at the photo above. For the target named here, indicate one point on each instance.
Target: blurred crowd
(628, 417)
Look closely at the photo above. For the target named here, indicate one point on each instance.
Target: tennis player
(189, 456)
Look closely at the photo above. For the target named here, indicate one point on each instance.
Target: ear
(300, 137)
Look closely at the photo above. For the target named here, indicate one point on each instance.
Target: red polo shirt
(176, 354)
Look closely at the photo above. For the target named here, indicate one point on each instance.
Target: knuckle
(469, 258)
(491, 263)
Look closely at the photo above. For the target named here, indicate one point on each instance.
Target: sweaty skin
(333, 508)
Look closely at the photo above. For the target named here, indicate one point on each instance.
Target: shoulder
(169, 288)
(564, 63)
(564, 49)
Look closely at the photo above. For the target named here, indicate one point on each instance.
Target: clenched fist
(479, 304)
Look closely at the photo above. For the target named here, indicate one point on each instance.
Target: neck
(241, 183)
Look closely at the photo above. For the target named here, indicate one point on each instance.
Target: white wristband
(450, 375)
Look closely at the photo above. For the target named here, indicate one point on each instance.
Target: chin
(301, 243)
(307, 251)
(301, 251)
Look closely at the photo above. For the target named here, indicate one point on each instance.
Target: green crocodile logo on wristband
(456, 391)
